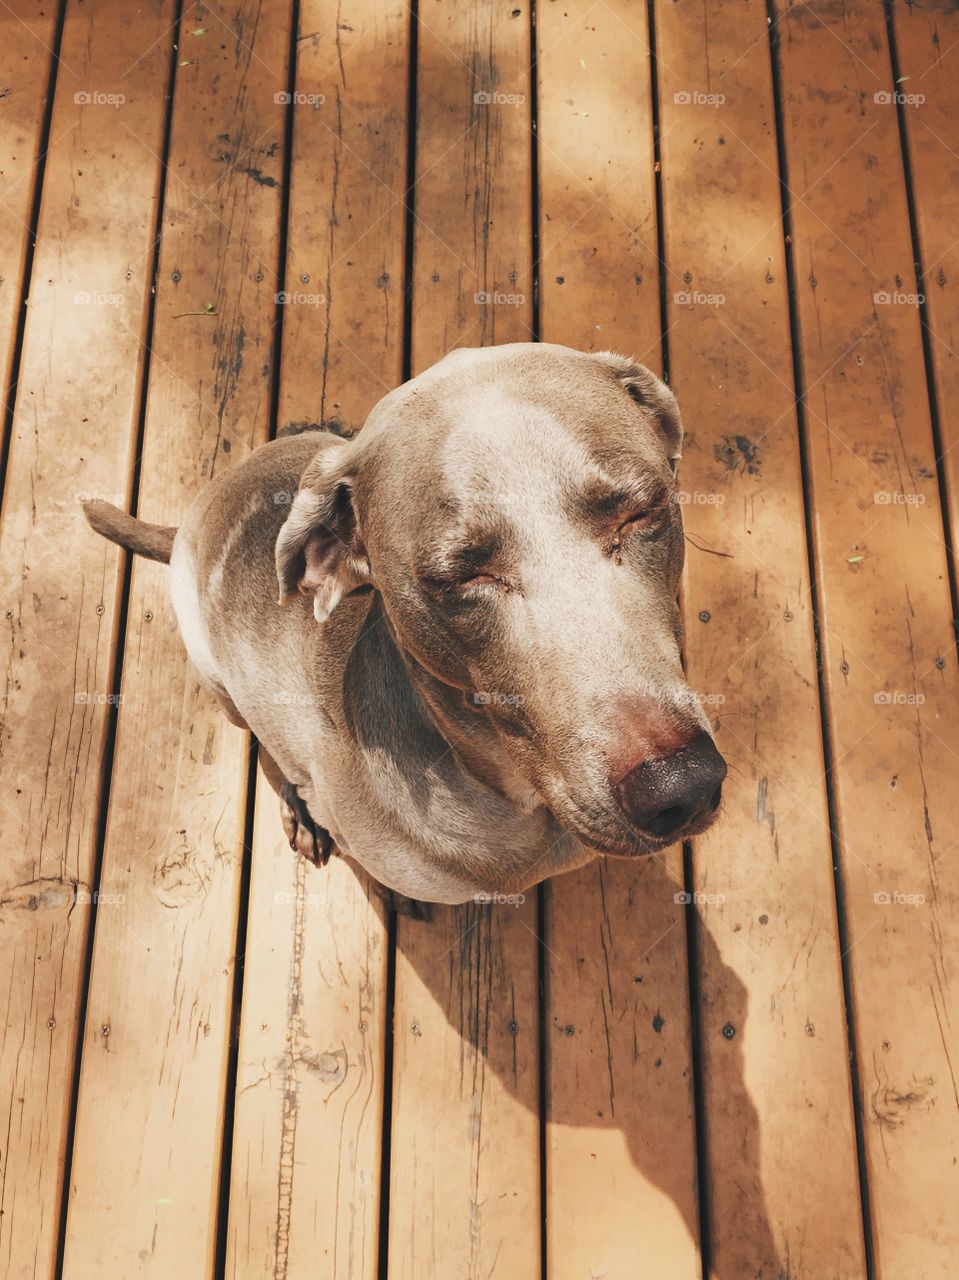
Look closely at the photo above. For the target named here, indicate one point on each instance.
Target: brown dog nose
(666, 794)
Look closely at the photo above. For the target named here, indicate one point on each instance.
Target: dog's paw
(404, 906)
(306, 838)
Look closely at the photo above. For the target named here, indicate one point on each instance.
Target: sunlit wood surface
(736, 1061)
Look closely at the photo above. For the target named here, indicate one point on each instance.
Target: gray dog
(472, 679)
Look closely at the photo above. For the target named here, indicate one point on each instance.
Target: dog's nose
(664, 795)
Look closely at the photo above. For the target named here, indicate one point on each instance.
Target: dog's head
(515, 508)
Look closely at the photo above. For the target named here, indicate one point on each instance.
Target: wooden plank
(888, 646)
(73, 433)
(304, 1195)
(307, 1143)
(927, 42)
(28, 29)
(159, 1013)
(465, 1140)
(347, 212)
(777, 1093)
(621, 1153)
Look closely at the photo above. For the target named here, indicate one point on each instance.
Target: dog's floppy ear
(319, 550)
(651, 394)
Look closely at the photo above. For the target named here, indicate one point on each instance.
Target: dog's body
(337, 711)
(459, 730)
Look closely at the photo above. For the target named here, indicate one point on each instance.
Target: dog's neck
(466, 729)
(471, 735)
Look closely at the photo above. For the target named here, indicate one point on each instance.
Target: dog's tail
(155, 541)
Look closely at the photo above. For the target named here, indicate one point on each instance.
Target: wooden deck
(220, 1061)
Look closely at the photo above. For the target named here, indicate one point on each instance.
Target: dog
(471, 680)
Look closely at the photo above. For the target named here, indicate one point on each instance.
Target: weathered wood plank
(889, 657)
(304, 1193)
(28, 30)
(927, 44)
(347, 212)
(621, 1171)
(465, 1140)
(73, 433)
(159, 1012)
(777, 1091)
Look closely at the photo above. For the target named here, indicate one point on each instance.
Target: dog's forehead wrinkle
(505, 450)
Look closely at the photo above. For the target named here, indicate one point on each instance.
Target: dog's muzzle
(670, 794)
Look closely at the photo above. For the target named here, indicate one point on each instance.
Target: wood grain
(73, 434)
(28, 31)
(304, 1196)
(927, 42)
(465, 1137)
(621, 1138)
(347, 219)
(305, 1186)
(888, 647)
(777, 1093)
(159, 1014)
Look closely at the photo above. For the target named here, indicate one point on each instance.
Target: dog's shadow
(618, 1050)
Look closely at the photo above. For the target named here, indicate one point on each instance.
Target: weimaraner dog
(472, 678)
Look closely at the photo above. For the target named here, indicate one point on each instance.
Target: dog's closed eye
(445, 585)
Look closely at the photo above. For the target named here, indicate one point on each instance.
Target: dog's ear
(651, 394)
(319, 550)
